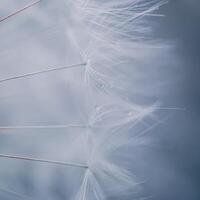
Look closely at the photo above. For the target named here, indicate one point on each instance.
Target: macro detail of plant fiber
(81, 83)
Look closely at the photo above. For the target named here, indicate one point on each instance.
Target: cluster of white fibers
(97, 122)
(111, 32)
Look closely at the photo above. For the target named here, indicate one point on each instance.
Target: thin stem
(43, 161)
(19, 11)
(169, 108)
(13, 193)
(43, 127)
(42, 72)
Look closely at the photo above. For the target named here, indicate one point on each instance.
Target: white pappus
(91, 44)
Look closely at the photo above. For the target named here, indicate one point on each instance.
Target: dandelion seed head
(106, 36)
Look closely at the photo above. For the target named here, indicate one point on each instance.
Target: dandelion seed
(106, 33)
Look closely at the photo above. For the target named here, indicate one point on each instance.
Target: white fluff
(85, 113)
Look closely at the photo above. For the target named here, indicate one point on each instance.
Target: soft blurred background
(180, 138)
(170, 167)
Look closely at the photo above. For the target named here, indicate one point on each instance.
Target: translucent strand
(41, 72)
(19, 11)
(43, 161)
